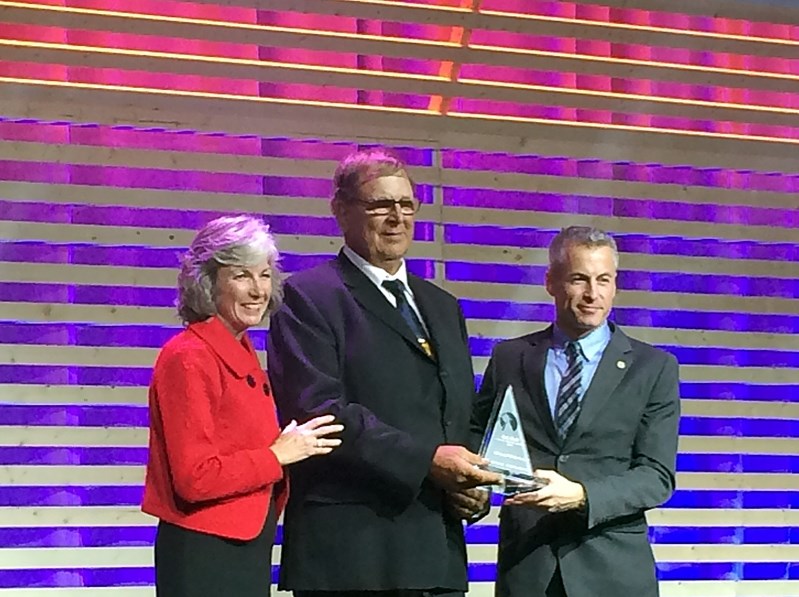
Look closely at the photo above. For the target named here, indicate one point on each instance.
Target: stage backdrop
(127, 124)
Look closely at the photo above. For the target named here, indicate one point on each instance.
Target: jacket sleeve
(185, 386)
(306, 362)
(483, 405)
(650, 481)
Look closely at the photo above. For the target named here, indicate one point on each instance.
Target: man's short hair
(362, 166)
(581, 236)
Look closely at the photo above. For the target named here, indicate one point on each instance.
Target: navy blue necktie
(567, 405)
(397, 288)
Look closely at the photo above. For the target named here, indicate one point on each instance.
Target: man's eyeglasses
(383, 207)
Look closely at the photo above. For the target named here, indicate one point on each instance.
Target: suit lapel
(615, 362)
(533, 362)
(370, 298)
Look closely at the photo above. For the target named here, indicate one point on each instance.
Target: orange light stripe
(364, 107)
(394, 75)
(400, 40)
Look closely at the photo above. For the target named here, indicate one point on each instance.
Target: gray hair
(236, 240)
(360, 167)
(581, 236)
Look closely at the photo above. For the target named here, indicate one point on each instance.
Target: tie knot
(395, 287)
(573, 351)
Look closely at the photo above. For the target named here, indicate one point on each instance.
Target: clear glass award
(506, 449)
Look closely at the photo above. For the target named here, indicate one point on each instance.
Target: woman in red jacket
(215, 474)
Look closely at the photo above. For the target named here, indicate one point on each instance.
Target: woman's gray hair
(581, 236)
(236, 240)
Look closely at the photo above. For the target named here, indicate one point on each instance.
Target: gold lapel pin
(621, 364)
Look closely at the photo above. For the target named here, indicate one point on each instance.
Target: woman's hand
(298, 442)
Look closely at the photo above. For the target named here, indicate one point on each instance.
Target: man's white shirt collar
(377, 274)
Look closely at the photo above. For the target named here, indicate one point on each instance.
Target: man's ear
(338, 209)
(549, 282)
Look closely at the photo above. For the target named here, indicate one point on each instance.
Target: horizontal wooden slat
(56, 312)
(105, 356)
(689, 553)
(66, 394)
(766, 12)
(169, 237)
(653, 227)
(32, 558)
(722, 517)
(738, 445)
(618, 189)
(729, 588)
(90, 516)
(747, 409)
(44, 475)
(726, 552)
(19, 435)
(200, 201)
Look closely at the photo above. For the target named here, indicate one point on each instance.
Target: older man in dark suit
(386, 353)
(600, 413)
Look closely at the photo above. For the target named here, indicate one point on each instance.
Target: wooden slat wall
(127, 124)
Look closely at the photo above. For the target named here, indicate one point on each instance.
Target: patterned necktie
(397, 288)
(567, 405)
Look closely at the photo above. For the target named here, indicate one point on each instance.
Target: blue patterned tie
(567, 405)
(397, 288)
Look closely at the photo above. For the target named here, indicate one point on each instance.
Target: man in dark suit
(386, 353)
(600, 413)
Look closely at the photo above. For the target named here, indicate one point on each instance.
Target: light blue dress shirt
(591, 346)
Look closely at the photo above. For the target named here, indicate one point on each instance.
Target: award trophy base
(514, 483)
(518, 483)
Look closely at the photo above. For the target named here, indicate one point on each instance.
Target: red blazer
(212, 420)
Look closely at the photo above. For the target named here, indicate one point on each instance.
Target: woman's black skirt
(194, 564)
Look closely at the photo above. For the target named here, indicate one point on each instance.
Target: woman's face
(242, 295)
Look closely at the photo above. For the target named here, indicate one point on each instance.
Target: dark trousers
(393, 593)
(555, 587)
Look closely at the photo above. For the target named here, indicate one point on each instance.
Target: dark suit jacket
(622, 448)
(365, 517)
